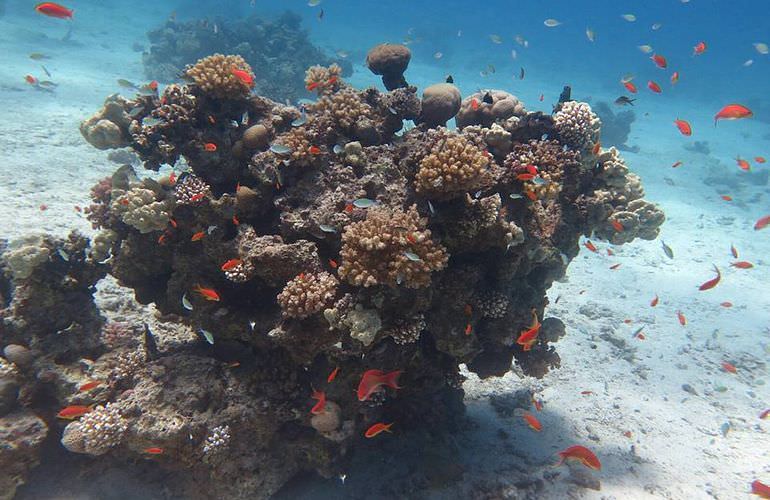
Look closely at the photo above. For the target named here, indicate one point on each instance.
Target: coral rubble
(309, 246)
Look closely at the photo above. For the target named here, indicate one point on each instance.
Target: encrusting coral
(300, 248)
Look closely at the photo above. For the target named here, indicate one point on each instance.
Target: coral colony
(316, 251)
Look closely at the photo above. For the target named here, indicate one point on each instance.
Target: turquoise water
(710, 202)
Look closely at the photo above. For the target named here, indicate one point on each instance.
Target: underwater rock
(615, 126)
(440, 103)
(22, 434)
(389, 61)
(108, 129)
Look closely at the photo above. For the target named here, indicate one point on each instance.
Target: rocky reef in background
(297, 249)
(615, 126)
(280, 48)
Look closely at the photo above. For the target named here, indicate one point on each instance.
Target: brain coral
(454, 166)
(390, 247)
(307, 294)
(214, 75)
(577, 124)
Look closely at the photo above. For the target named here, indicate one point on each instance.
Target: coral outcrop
(390, 61)
(217, 75)
(300, 248)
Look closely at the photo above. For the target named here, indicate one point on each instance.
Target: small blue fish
(412, 256)
(301, 120)
(280, 149)
(430, 207)
(364, 203)
(208, 335)
(539, 181)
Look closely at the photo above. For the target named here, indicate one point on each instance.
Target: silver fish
(412, 256)
(46, 71)
(667, 250)
(430, 207)
(280, 149)
(186, 303)
(208, 335)
(515, 196)
(245, 118)
(64, 255)
(301, 120)
(539, 181)
(151, 121)
(326, 228)
(338, 149)
(364, 203)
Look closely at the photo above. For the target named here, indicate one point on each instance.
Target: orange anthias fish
(378, 428)
(207, 293)
(742, 264)
(154, 451)
(760, 489)
(597, 148)
(198, 236)
(675, 78)
(581, 454)
(373, 380)
(89, 385)
(699, 49)
(681, 317)
(760, 159)
(726, 197)
(210, 147)
(318, 408)
(537, 403)
(533, 422)
(733, 112)
(733, 251)
(708, 285)
(73, 412)
(528, 337)
(617, 226)
(654, 301)
(332, 375)
(729, 367)
(683, 127)
(659, 61)
(762, 223)
(474, 104)
(314, 150)
(630, 87)
(468, 329)
(743, 164)
(677, 164)
(726, 304)
(764, 414)
(654, 87)
(231, 264)
(52, 9)
(590, 246)
(243, 76)
(31, 80)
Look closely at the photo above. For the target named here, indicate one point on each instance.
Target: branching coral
(323, 79)
(217, 75)
(307, 294)
(454, 166)
(97, 432)
(554, 166)
(191, 190)
(390, 247)
(348, 111)
(577, 124)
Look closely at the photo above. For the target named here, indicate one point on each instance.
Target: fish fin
(391, 379)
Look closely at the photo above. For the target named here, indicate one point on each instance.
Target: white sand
(680, 450)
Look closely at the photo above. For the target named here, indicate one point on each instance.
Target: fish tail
(391, 379)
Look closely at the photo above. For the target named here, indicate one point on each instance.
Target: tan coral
(96, 432)
(298, 142)
(307, 294)
(345, 107)
(323, 79)
(551, 161)
(214, 75)
(390, 247)
(454, 166)
(139, 208)
(577, 124)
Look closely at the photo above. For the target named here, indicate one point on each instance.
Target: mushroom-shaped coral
(226, 77)
(390, 61)
(454, 166)
(440, 103)
(307, 294)
(490, 106)
(96, 432)
(139, 208)
(390, 247)
(577, 124)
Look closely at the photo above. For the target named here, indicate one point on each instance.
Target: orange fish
(615, 266)
(728, 367)
(726, 304)
(733, 112)
(73, 412)
(628, 321)
(682, 319)
(210, 147)
(654, 87)
(332, 80)
(162, 239)
(235, 220)
(587, 393)
(542, 97)
(726, 197)
(628, 434)
(590, 246)
(333, 264)
(597, 147)
(378, 428)
(760, 159)
(610, 253)
(198, 236)
(231, 264)
(764, 414)
(52, 9)
(659, 61)
(89, 385)
(243, 76)
(708, 285)
(349, 208)
(675, 78)
(654, 301)
(468, 329)
(314, 150)
(154, 451)
(234, 364)
(640, 336)
(699, 49)
(533, 422)
(474, 104)
(525, 177)
(760, 489)
(312, 86)
(197, 197)
(762, 223)
(43, 207)
(742, 264)
(531, 195)
(31, 80)
(207, 293)
(581, 454)
(630, 87)
(373, 380)
(318, 408)
(677, 164)
(332, 375)
(733, 251)
(683, 127)
(528, 337)
(538, 404)
(743, 164)
(617, 226)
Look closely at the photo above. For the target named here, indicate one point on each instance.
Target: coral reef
(390, 61)
(615, 126)
(216, 75)
(289, 259)
(440, 103)
(279, 50)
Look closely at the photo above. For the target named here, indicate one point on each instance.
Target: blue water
(701, 225)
